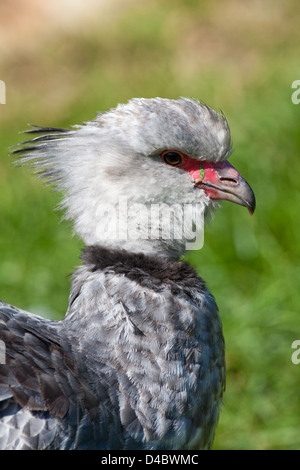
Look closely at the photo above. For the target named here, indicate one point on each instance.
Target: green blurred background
(65, 61)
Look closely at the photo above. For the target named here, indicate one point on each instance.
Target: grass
(240, 59)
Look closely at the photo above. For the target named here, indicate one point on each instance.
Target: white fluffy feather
(113, 162)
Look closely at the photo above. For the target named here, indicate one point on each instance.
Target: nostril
(229, 181)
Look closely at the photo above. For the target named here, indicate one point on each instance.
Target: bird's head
(143, 175)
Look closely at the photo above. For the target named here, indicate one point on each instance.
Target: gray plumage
(138, 360)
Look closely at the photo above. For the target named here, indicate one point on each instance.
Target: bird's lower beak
(222, 181)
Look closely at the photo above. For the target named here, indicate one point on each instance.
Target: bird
(138, 361)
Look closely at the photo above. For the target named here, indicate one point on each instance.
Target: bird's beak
(222, 181)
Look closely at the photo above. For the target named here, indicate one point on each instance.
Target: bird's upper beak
(222, 181)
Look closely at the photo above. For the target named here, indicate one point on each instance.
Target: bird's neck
(100, 263)
(153, 229)
(129, 263)
(152, 248)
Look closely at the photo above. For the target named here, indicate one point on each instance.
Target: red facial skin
(212, 170)
(219, 180)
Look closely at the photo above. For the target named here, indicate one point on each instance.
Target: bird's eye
(171, 158)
